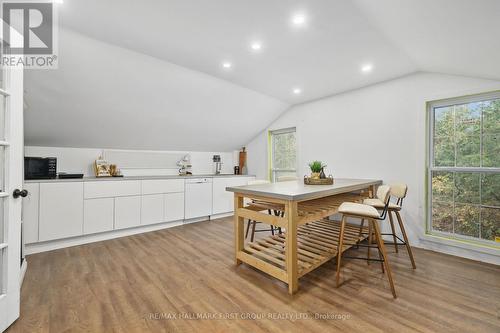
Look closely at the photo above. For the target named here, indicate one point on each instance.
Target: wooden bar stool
(259, 205)
(371, 214)
(271, 208)
(399, 192)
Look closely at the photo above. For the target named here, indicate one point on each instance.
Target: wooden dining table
(310, 238)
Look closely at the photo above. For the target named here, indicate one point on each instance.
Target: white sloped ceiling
(110, 97)
(147, 74)
(458, 37)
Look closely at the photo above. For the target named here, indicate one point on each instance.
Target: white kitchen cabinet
(158, 186)
(56, 210)
(174, 206)
(127, 212)
(98, 215)
(30, 213)
(198, 197)
(152, 209)
(112, 188)
(61, 210)
(223, 201)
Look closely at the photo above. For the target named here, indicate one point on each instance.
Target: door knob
(20, 193)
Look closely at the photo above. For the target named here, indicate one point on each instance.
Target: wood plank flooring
(140, 283)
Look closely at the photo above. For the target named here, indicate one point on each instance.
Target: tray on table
(318, 181)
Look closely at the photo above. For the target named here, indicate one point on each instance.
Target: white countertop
(91, 179)
(296, 190)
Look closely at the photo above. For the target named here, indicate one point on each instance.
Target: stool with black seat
(372, 215)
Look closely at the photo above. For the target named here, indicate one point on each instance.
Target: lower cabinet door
(98, 215)
(223, 201)
(127, 212)
(174, 206)
(61, 210)
(152, 209)
(30, 213)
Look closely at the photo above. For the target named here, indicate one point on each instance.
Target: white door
(11, 181)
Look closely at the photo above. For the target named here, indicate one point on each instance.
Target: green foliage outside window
(467, 203)
(284, 153)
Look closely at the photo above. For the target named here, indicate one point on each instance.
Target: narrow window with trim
(283, 146)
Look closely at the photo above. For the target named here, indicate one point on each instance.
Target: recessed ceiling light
(297, 91)
(299, 19)
(256, 46)
(367, 68)
(227, 65)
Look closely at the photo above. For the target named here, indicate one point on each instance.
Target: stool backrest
(399, 191)
(258, 182)
(384, 194)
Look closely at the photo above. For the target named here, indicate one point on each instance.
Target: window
(464, 168)
(283, 153)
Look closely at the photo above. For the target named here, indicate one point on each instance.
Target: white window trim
(434, 235)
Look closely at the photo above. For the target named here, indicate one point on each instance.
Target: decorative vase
(322, 173)
(315, 175)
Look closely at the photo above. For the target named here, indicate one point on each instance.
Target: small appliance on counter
(185, 165)
(217, 164)
(40, 167)
(65, 175)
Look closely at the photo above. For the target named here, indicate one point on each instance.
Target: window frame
(272, 170)
(430, 166)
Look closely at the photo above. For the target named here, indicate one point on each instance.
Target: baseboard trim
(197, 219)
(85, 239)
(80, 240)
(219, 216)
(487, 255)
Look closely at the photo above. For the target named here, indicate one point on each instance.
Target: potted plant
(316, 167)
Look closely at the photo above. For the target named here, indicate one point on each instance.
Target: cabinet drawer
(112, 188)
(98, 215)
(159, 186)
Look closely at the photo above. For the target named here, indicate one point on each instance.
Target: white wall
(106, 96)
(376, 132)
(80, 160)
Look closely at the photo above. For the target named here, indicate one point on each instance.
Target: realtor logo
(29, 34)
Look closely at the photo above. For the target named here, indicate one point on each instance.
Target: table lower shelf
(316, 242)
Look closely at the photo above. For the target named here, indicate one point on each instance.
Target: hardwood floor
(133, 284)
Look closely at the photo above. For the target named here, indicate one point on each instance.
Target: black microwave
(40, 167)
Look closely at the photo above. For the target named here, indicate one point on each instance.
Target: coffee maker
(217, 164)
